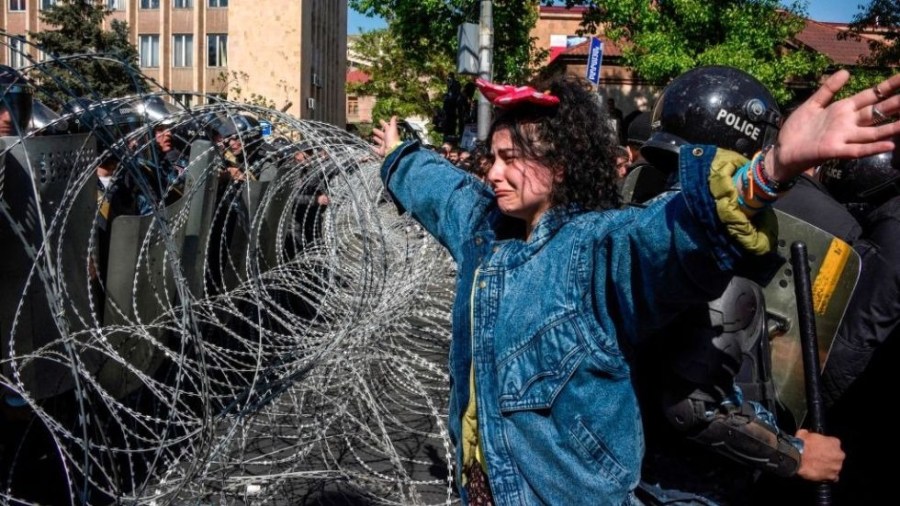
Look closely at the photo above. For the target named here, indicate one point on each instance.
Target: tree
(414, 57)
(86, 59)
(404, 86)
(662, 39)
(429, 28)
(882, 19)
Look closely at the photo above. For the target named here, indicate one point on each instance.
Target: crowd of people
(608, 345)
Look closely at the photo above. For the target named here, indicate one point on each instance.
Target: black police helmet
(716, 105)
(155, 109)
(639, 129)
(45, 120)
(16, 96)
(110, 121)
(73, 110)
(244, 126)
(870, 180)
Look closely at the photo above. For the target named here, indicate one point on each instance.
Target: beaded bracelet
(775, 186)
(746, 195)
(764, 188)
(749, 184)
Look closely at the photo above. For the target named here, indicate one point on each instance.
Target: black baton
(809, 346)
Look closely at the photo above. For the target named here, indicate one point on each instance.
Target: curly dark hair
(575, 137)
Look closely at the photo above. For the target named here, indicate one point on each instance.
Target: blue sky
(820, 10)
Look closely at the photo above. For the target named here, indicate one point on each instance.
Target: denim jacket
(546, 320)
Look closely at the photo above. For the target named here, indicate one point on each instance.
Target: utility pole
(485, 65)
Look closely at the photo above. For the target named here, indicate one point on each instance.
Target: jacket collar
(518, 250)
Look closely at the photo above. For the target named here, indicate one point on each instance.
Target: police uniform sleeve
(873, 314)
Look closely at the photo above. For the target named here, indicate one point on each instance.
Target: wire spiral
(275, 334)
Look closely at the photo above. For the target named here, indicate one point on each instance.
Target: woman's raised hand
(386, 137)
(819, 130)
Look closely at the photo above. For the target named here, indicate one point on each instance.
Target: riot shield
(201, 187)
(141, 294)
(244, 241)
(271, 218)
(47, 209)
(835, 269)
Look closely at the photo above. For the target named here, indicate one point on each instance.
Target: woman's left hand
(820, 130)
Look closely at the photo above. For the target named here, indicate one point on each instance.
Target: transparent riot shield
(834, 269)
(48, 201)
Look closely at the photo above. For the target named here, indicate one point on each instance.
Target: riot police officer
(16, 96)
(240, 138)
(863, 359)
(706, 377)
(119, 191)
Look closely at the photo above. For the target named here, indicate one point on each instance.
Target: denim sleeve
(442, 198)
(672, 254)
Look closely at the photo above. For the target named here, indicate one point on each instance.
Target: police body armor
(716, 387)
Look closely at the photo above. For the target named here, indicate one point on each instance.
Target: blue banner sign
(595, 60)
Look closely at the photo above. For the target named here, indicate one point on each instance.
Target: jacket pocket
(591, 447)
(532, 376)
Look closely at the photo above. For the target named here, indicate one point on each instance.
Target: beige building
(556, 31)
(359, 108)
(292, 52)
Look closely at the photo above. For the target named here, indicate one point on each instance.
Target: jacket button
(482, 284)
(698, 151)
(496, 249)
(478, 241)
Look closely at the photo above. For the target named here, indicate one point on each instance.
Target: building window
(183, 50)
(46, 4)
(116, 5)
(352, 106)
(17, 50)
(16, 5)
(183, 4)
(149, 49)
(185, 99)
(218, 3)
(149, 4)
(217, 50)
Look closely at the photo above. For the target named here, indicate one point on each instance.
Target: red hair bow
(505, 95)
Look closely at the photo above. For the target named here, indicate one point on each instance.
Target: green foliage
(403, 85)
(862, 78)
(663, 39)
(95, 62)
(413, 57)
(881, 17)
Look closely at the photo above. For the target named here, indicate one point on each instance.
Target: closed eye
(508, 154)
